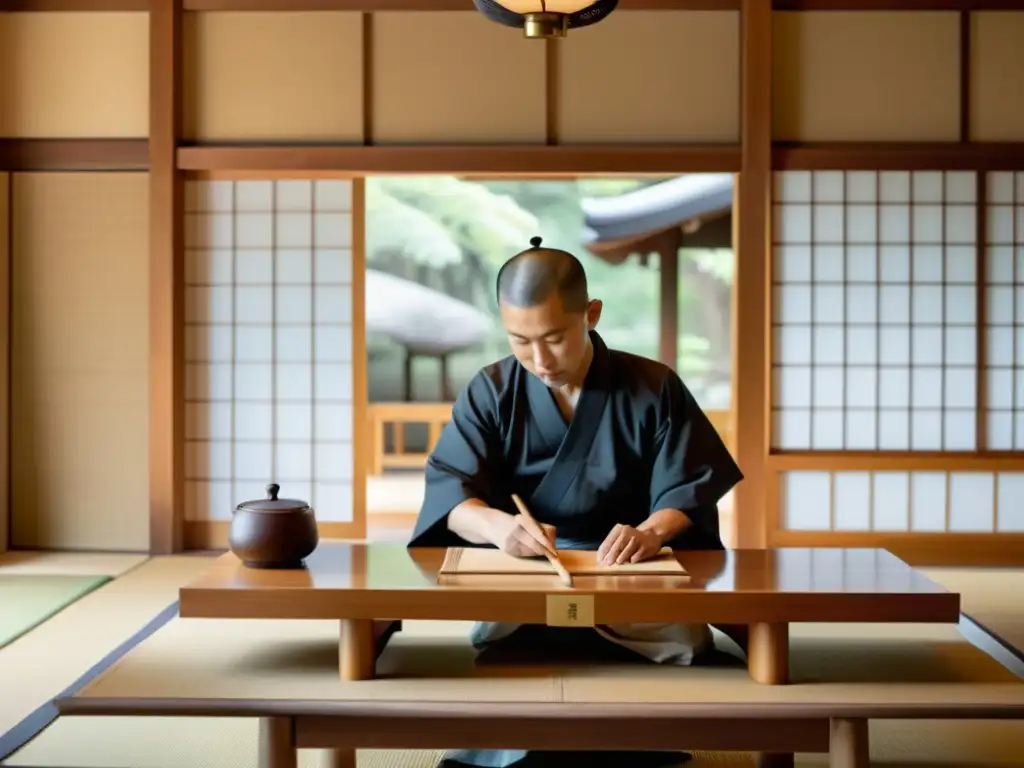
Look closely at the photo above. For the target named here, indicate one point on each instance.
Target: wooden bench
(431, 694)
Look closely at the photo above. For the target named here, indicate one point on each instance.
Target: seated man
(608, 450)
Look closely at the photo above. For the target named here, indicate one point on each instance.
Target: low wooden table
(366, 586)
(432, 694)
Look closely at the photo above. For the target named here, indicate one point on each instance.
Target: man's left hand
(626, 544)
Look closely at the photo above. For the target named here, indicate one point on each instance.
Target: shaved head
(531, 277)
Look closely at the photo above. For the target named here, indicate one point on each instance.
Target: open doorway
(657, 251)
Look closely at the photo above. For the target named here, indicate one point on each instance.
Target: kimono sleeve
(462, 465)
(692, 468)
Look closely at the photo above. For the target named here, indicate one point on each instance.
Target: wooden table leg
(338, 758)
(848, 744)
(768, 664)
(357, 658)
(277, 743)
(774, 759)
(768, 653)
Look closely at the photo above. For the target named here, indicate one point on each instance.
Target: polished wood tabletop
(385, 580)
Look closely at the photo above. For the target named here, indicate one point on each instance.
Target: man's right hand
(511, 538)
(476, 522)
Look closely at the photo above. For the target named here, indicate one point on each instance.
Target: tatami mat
(55, 654)
(156, 742)
(27, 600)
(136, 742)
(249, 659)
(68, 563)
(38, 666)
(991, 597)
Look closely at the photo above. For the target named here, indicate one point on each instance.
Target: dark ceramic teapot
(273, 532)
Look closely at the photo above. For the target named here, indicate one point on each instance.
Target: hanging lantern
(545, 19)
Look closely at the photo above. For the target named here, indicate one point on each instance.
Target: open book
(473, 560)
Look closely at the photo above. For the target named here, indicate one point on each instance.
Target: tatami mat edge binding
(58, 652)
(983, 618)
(30, 600)
(41, 718)
(999, 648)
(63, 563)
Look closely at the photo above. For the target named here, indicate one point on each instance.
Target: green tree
(471, 230)
(453, 234)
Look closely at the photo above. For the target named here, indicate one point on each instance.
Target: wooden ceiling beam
(374, 6)
(898, 156)
(74, 154)
(508, 161)
(465, 159)
(365, 6)
(898, 5)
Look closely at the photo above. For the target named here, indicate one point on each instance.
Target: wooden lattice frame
(755, 157)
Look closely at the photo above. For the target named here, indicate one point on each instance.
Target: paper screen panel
(892, 501)
(874, 311)
(269, 344)
(1005, 312)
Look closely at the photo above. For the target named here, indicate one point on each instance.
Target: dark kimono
(637, 443)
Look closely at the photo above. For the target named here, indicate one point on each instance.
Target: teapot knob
(272, 490)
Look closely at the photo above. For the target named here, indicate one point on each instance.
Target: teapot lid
(274, 504)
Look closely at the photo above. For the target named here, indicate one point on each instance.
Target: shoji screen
(874, 311)
(269, 342)
(893, 501)
(1005, 311)
(878, 335)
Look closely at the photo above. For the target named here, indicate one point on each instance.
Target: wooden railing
(398, 416)
(393, 418)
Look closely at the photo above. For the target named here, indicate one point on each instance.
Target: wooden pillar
(408, 365)
(752, 247)
(668, 277)
(6, 222)
(445, 389)
(166, 282)
(363, 441)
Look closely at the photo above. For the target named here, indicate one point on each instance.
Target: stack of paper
(473, 560)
